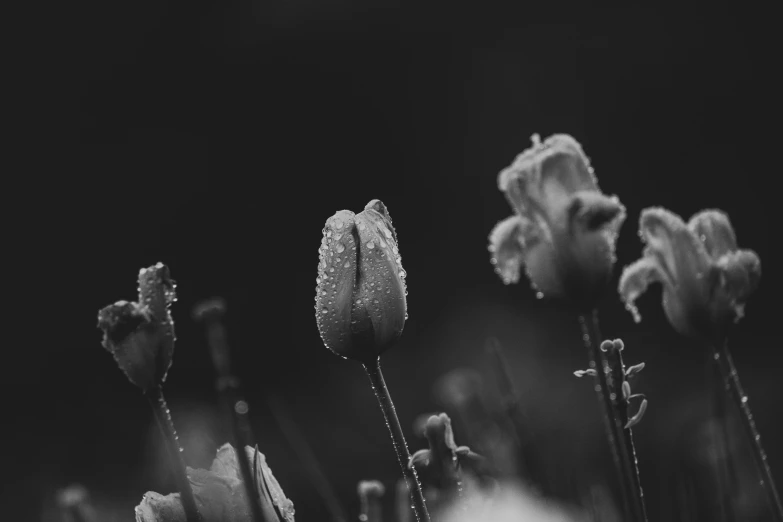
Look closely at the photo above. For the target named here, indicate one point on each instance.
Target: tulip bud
(140, 335)
(360, 297)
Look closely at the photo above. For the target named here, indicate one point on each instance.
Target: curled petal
(506, 244)
(420, 458)
(740, 272)
(714, 229)
(636, 278)
(590, 371)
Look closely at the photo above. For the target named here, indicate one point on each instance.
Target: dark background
(218, 137)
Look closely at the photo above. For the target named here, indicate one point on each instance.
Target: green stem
(163, 416)
(731, 380)
(373, 370)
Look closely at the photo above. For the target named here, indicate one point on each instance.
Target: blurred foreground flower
(706, 279)
(360, 298)
(140, 335)
(564, 227)
(361, 308)
(509, 503)
(221, 494)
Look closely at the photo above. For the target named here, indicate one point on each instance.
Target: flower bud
(140, 335)
(360, 298)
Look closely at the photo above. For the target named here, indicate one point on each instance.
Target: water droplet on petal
(339, 248)
(370, 245)
(324, 311)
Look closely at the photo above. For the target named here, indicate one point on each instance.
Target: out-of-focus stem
(308, 460)
(211, 313)
(373, 370)
(718, 427)
(163, 416)
(513, 409)
(731, 380)
(614, 429)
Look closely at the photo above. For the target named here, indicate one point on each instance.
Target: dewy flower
(564, 228)
(706, 279)
(220, 494)
(140, 335)
(360, 304)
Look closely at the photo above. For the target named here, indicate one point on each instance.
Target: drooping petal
(380, 295)
(336, 282)
(506, 244)
(132, 336)
(714, 229)
(740, 272)
(635, 279)
(585, 245)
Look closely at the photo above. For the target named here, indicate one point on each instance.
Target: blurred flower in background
(564, 229)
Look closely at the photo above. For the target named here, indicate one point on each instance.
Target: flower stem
(615, 360)
(298, 442)
(373, 370)
(730, 376)
(513, 409)
(163, 416)
(241, 428)
(613, 423)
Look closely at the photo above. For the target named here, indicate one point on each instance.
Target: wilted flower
(360, 298)
(140, 335)
(220, 493)
(706, 279)
(564, 228)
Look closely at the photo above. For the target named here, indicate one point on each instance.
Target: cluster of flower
(563, 233)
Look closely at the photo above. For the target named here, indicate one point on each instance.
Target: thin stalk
(614, 429)
(163, 416)
(730, 376)
(307, 457)
(719, 433)
(513, 409)
(211, 313)
(373, 370)
(617, 367)
(240, 424)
